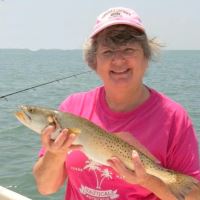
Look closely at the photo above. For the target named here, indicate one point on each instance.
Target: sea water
(175, 73)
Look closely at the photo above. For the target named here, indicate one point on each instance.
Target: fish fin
(75, 130)
(183, 185)
(130, 139)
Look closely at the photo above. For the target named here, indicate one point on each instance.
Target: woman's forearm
(159, 188)
(194, 194)
(49, 173)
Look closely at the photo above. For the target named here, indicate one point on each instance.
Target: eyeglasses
(126, 53)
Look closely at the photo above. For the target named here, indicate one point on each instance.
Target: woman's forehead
(123, 46)
(117, 36)
(116, 29)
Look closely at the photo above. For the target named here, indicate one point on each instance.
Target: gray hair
(116, 36)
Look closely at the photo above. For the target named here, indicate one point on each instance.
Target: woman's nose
(118, 56)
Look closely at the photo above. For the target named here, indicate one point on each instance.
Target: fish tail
(182, 185)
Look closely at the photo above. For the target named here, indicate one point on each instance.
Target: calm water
(176, 73)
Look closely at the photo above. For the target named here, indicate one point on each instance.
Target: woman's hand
(62, 144)
(138, 176)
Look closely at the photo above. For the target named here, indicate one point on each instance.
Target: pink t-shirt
(160, 124)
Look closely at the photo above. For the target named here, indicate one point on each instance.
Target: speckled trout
(100, 145)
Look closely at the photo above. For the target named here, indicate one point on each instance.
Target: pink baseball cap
(118, 15)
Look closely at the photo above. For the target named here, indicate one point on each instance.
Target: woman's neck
(126, 100)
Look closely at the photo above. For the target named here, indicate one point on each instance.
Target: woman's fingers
(61, 138)
(62, 143)
(69, 142)
(135, 177)
(138, 166)
(120, 168)
(46, 136)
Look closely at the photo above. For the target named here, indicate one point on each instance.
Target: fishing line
(42, 84)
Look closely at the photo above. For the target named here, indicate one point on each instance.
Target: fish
(100, 145)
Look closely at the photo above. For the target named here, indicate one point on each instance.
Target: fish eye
(30, 110)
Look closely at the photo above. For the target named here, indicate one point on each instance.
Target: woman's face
(121, 67)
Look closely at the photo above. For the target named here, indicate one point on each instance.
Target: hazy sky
(65, 24)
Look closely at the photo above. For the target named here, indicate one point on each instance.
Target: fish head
(34, 117)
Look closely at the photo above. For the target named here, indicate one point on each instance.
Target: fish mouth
(22, 115)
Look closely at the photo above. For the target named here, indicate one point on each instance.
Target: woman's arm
(194, 194)
(140, 177)
(49, 171)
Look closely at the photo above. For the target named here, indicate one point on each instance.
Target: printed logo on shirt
(101, 175)
(98, 194)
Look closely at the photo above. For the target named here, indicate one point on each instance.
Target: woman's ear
(94, 64)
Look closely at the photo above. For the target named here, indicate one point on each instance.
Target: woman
(119, 51)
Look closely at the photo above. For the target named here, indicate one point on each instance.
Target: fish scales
(105, 145)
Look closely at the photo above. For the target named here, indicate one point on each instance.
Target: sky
(66, 24)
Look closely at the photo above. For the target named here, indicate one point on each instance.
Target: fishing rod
(42, 84)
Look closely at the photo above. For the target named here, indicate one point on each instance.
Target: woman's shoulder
(84, 94)
(168, 104)
(166, 100)
(79, 98)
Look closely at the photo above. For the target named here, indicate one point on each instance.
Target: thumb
(139, 168)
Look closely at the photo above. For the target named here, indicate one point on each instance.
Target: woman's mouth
(120, 72)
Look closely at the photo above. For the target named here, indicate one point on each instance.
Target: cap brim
(106, 25)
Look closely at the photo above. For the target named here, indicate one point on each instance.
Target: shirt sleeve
(41, 152)
(66, 104)
(183, 154)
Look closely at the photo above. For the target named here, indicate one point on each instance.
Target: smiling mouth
(120, 72)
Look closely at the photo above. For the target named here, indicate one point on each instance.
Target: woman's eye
(107, 53)
(129, 50)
